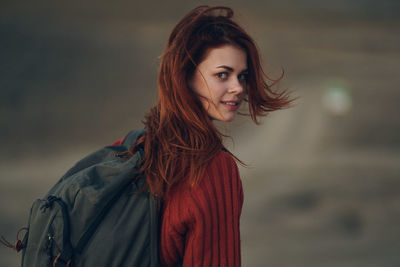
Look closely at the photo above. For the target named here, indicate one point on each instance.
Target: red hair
(180, 137)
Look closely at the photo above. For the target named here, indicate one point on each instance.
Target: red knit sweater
(200, 225)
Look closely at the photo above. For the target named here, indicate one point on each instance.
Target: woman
(209, 68)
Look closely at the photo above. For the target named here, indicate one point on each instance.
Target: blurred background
(323, 183)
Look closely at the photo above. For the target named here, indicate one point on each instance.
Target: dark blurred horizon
(54, 53)
(322, 188)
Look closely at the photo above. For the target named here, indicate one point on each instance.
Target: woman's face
(220, 81)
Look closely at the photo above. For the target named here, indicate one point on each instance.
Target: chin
(225, 119)
(222, 117)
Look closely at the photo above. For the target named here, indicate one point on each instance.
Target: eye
(222, 75)
(243, 77)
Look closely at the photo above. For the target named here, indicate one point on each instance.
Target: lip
(231, 107)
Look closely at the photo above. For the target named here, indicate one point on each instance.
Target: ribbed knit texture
(200, 224)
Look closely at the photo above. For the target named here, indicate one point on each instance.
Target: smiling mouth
(230, 103)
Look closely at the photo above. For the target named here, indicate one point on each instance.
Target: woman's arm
(201, 226)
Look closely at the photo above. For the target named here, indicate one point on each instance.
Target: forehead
(227, 55)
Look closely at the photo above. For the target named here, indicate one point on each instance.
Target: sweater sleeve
(201, 224)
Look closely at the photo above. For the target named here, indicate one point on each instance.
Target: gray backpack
(98, 214)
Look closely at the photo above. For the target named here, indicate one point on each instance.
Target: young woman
(209, 68)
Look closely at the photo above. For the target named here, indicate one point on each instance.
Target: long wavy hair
(180, 138)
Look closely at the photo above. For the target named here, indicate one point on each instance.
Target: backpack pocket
(47, 236)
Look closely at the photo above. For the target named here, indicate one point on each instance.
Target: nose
(236, 87)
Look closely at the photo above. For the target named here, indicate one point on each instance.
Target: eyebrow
(229, 68)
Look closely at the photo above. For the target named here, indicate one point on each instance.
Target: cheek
(208, 90)
(198, 85)
(200, 89)
(217, 90)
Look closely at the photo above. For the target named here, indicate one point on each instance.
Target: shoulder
(222, 163)
(224, 156)
(221, 173)
(221, 176)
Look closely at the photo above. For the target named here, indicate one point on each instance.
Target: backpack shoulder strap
(132, 137)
